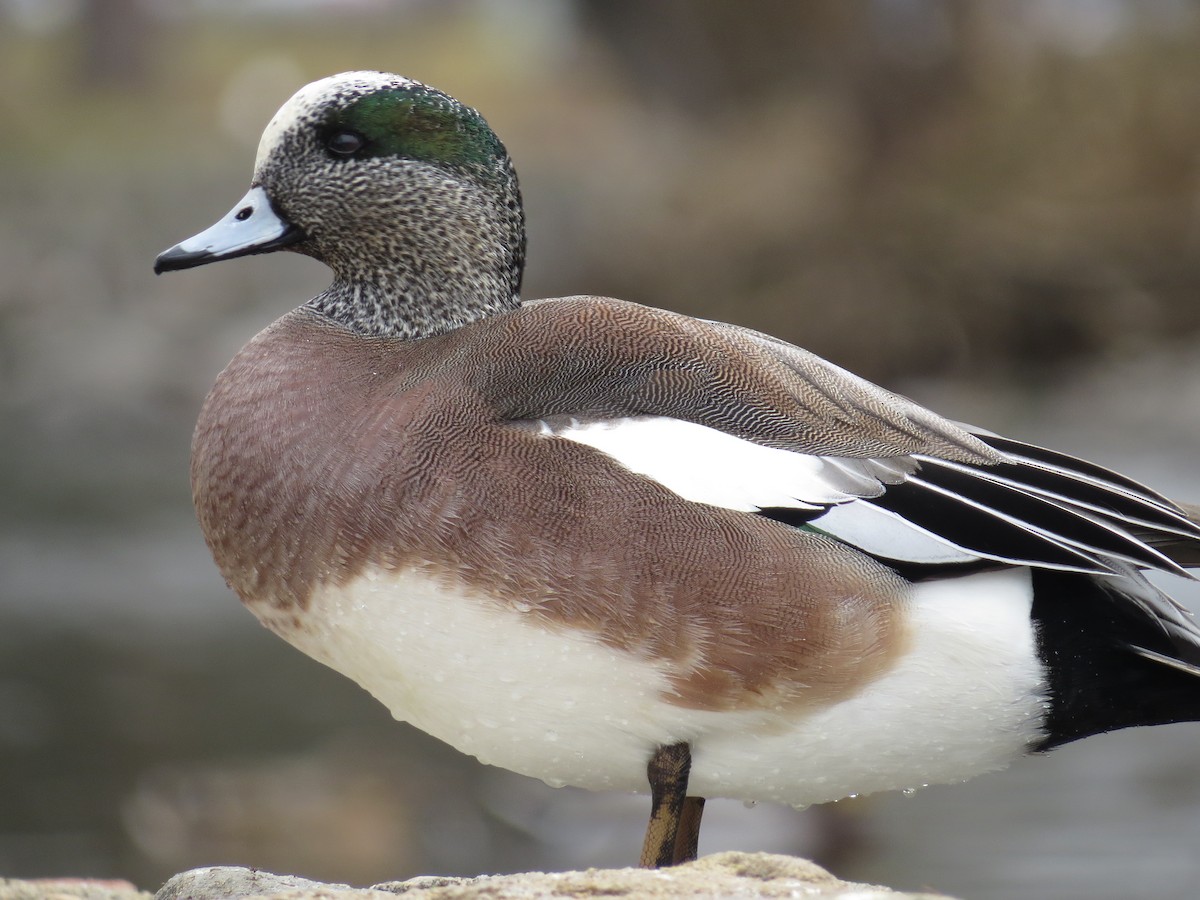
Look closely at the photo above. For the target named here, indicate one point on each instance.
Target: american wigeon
(604, 545)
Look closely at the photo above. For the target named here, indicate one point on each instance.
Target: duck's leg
(687, 838)
(674, 826)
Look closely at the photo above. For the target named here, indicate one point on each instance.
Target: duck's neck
(427, 265)
(393, 305)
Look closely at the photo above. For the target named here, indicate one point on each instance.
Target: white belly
(965, 698)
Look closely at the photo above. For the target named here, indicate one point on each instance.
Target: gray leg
(687, 838)
(674, 826)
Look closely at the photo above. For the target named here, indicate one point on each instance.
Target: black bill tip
(182, 257)
(178, 258)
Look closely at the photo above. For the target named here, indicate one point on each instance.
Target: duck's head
(405, 193)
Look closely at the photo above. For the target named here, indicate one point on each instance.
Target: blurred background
(994, 208)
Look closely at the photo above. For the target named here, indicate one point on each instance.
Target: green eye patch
(417, 122)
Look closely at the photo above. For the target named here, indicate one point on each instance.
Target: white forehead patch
(306, 101)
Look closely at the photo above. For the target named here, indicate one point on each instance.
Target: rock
(69, 889)
(719, 875)
(229, 882)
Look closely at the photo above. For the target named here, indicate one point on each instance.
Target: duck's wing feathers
(596, 359)
(732, 417)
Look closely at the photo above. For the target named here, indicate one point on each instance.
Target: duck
(617, 547)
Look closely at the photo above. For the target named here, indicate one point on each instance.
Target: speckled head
(365, 115)
(406, 193)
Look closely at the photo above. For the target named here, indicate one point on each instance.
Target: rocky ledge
(718, 875)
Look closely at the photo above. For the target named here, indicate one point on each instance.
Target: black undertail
(1088, 633)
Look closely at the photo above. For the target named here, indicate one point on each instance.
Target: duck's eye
(345, 143)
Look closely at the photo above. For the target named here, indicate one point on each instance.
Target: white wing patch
(881, 532)
(705, 465)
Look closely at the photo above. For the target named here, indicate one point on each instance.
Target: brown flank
(320, 454)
